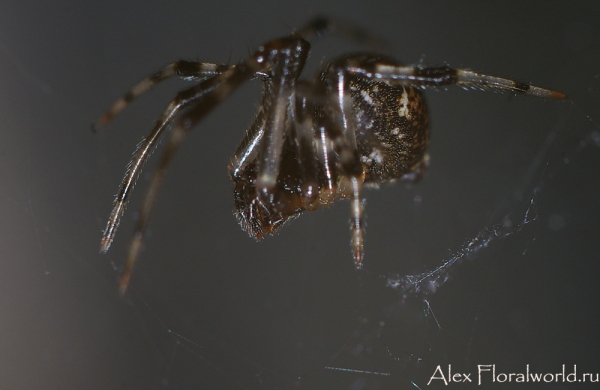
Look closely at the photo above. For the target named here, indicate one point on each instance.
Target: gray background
(274, 314)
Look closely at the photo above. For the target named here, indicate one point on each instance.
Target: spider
(362, 121)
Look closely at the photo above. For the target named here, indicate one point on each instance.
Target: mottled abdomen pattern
(392, 128)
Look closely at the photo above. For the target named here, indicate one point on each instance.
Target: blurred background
(211, 308)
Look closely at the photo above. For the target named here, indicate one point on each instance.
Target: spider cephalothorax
(361, 121)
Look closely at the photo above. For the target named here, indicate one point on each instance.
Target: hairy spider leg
(187, 70)
(440, 76)
(302, 115)
(249, 147)
(204, 97)
(146, 147)
(343, 135)
(287, 58)
(178, 133)
(327, 160)
(194, 103)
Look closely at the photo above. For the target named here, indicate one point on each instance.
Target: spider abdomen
(392, 128)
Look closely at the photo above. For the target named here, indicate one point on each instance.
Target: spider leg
(441, 76)
(287, 58)
(321, 26)
(273, 142)
(327, 160)
(187, 70)
(216, 90)
(177, 136)
(302, 117)
(344, 141)
(204, 97)
(248, 148)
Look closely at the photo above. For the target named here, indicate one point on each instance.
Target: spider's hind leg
(426, 77)
(341, 130)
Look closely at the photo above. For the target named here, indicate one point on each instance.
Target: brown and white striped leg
(343, 135)
(302, 115)
(327, 161)
(215, 91)
(250, 145)
(187, 70)
(177, 136)
(442, 76)
(351, 166)
(204, 97)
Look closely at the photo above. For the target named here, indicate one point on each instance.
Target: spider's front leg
(186, 110)
(187, 70)
(189, 108)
